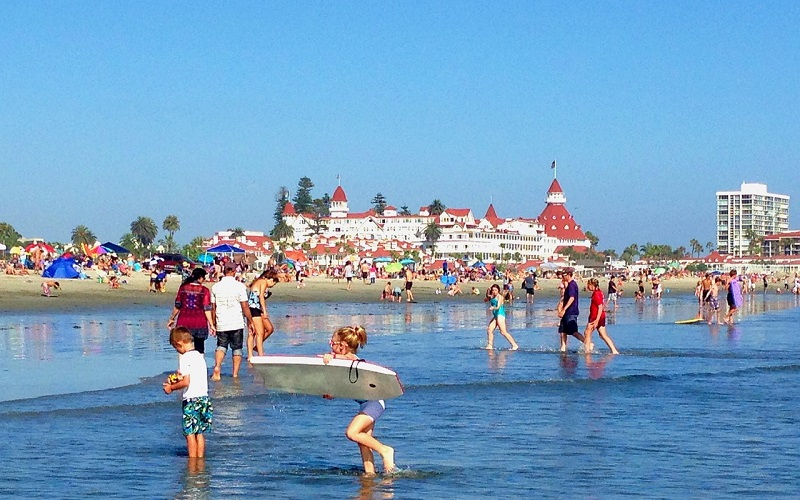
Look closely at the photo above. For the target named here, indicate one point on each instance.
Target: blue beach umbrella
(225, 248)
(407, 261)
(382, 259)
(113, 247)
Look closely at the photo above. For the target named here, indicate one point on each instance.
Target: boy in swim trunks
(568, 310)
(193, 379)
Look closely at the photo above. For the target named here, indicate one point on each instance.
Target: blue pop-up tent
(225, 248)
(62, 268)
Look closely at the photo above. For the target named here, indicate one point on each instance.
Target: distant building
(751, 211)
(778, 244)
(490, 238)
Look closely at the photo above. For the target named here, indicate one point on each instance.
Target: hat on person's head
(230, 266)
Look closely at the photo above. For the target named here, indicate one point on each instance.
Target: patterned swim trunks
(197, 415)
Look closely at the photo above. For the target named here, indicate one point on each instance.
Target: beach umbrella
(2, 247)
(407, 261)
(41, 245)
(114, 248)
(659, 270)
(393, 267)
(16, 250)
(478, 264)
(531, 269)
(383, 259)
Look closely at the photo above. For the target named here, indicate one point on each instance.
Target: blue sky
(114, 110)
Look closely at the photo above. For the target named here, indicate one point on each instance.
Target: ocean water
(686, 411)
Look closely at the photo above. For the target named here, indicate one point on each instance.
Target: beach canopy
(406, 261)
(113, 247)
(225, 248)
(550, 266)
(478, 264)
(382, 259)
(61, 268)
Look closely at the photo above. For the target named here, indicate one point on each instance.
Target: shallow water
(685, 411)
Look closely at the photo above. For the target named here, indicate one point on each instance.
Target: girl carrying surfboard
(344, 345)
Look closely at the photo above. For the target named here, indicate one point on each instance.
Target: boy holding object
(192, 377)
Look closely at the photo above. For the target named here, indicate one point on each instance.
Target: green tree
(593, 240)
(709, 246)
(319, 211)
(302, 199)
(432, 234)
(436, 207)
(281, 198)
(282, 232)
(379, 203)
(194, 248)
(171, 224)
(144, 229)
(130, 242)
(404, 210)
(236, 232)
(82, 235)
(8, 235)
(696, 247)
(754, 241)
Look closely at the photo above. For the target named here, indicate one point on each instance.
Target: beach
(23, 293)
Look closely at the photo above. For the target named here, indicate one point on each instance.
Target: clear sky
(114, 110)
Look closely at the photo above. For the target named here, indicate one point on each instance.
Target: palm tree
(194, 248)
(436, 207)
(144, 229)
(282, 231)
(696, 247)
(432, 234)
(82, 235)
(709, 246)
(128, 241)
(593, 240)
(236, 232)
(171, 224)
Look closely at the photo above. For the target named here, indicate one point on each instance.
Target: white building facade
(752, 208)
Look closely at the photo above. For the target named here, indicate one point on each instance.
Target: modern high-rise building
(751, 212)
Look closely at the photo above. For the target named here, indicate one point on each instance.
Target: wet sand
(23, 293)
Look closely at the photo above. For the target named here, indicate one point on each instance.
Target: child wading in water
(192, 378)
(344, 344)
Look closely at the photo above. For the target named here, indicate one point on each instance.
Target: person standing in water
(498, 310)
(257, 301)
(734, 297)
(597, 319)
(568, 310)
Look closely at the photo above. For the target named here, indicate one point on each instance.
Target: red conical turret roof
(555, 187)
(339, 195)
(288, 209)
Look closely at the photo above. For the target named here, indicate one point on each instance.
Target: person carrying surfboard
(344, 345)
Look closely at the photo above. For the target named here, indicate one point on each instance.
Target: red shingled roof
(492, 217)
(339, 195)
(555, 187)
(778, 236)
(559, 223)
(288, 209)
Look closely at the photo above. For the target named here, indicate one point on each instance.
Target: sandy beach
(23, 293)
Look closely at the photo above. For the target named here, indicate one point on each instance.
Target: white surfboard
(340, 378)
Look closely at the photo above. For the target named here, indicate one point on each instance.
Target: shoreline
(23, 293)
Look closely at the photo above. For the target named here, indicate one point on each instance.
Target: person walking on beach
(409, 275)
(498, 321)
(192, 309)
(344, 345)
(734, 298)
(229, 309)
(348, 274)
(198, 413)
(257, 302)
(568, 310)
(597, 319)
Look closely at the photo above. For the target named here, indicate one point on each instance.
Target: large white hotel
(752, 208)
(463, 235)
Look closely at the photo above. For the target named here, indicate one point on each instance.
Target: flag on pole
(553, 165)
